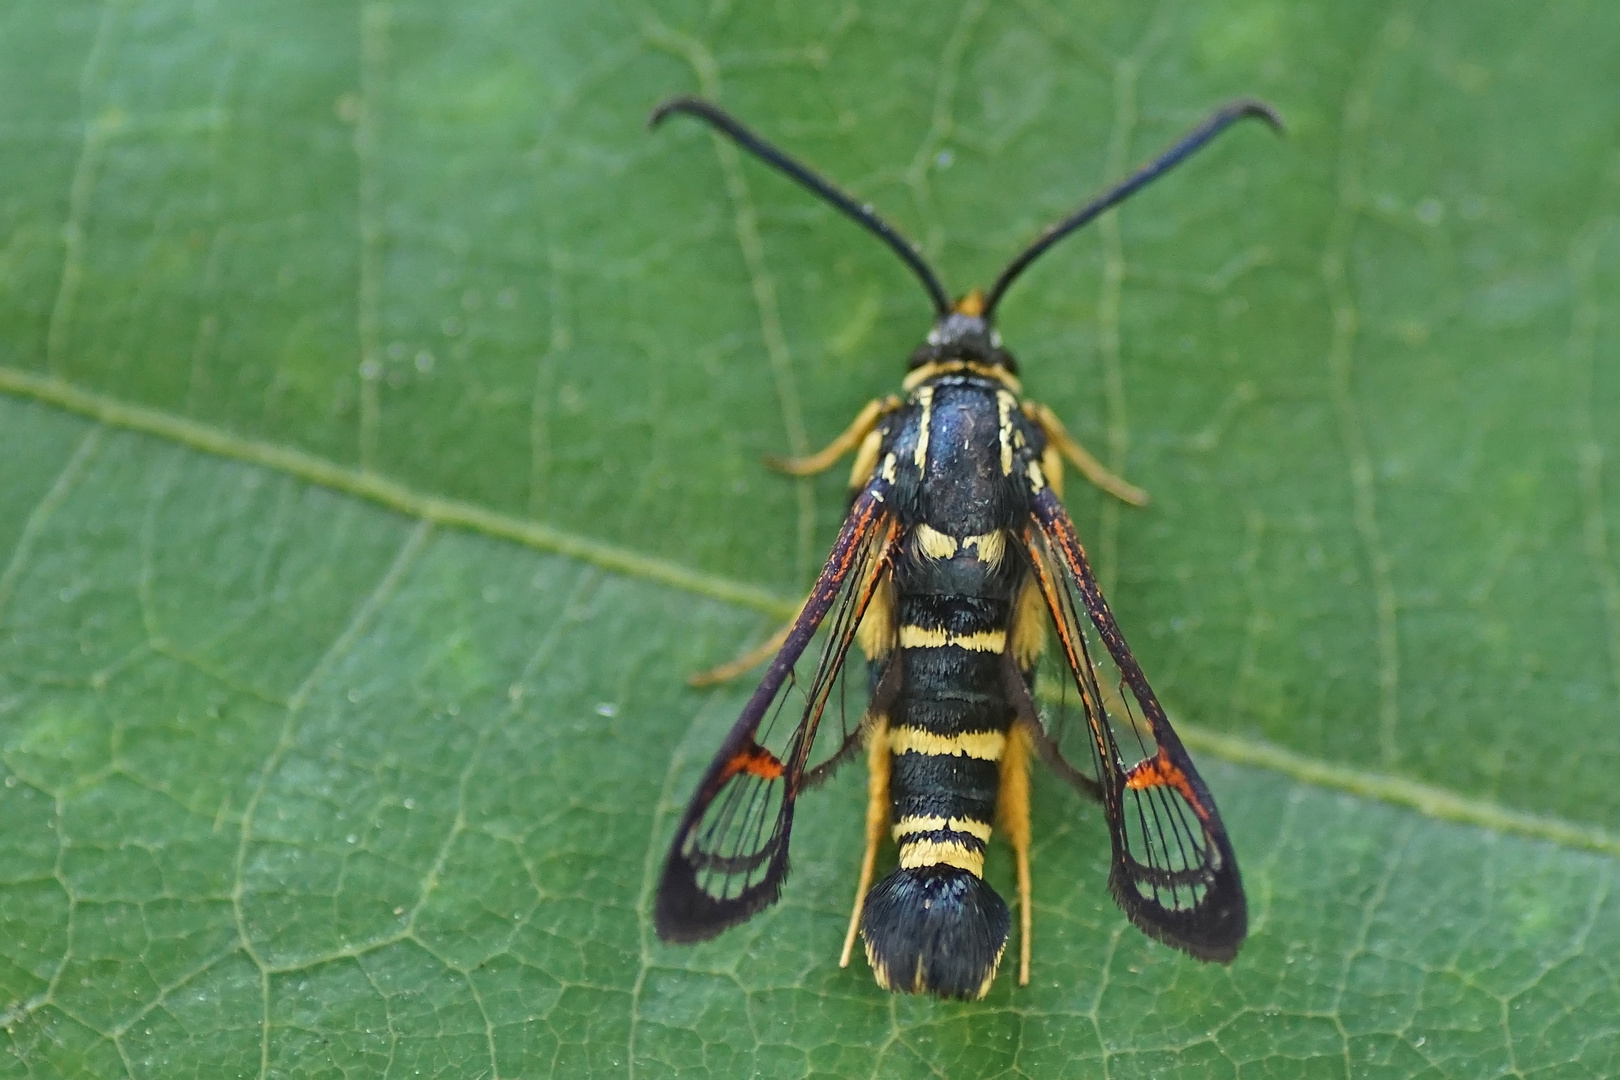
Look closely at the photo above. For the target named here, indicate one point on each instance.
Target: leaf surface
(312, 311)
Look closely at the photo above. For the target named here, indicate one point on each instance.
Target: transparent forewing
(1173, 869)
(729, 855)
(814, 712)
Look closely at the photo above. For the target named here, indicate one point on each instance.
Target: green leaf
(379, 448)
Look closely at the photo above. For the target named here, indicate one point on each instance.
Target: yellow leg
(742, 664)
(849, 440)
(852, 437)
(876, 635)
(1012, 811)
(877, 824)
(1089, 467)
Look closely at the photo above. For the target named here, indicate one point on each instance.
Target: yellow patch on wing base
(1029, 624)
(984, 745)
(909, 825)
(1036, 480)
(941, 853)
(916, 637)
(876, 632)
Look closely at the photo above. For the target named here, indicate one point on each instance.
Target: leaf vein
(81, 189)
(1588, 450)
(392, 494)
(763, 283)
(1346, 320)
(42, 511)
(1427, 799)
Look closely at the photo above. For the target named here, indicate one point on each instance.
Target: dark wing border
(743, 769)
(1214, 927)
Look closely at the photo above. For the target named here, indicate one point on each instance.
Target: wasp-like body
(954, 559)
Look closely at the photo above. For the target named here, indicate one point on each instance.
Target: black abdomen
(948, 728)
(934, 925)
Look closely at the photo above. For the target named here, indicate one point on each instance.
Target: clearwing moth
(955, 563)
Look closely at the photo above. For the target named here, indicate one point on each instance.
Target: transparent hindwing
(730, 852)
(1173, 871)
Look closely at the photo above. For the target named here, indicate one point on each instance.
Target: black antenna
(1190, 144)
(770, 155)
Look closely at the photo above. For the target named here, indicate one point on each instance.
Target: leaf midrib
(1427, 799)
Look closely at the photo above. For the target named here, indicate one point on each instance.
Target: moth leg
(877, 824)
(1012, 814)
(852, 437)
(876, 636)
(1092, 469)
(746, 662)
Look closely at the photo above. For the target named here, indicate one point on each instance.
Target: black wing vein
(1173, 870)
(729, 856)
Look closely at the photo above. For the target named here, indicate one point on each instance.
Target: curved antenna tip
(678, 103)
(1189, 144)
(859, 212)
(1258, 109)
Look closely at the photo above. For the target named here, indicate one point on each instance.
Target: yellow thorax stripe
(919, 456)
(984, 745)
(1005, 404)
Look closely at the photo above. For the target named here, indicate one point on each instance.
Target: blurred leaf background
(381, 414)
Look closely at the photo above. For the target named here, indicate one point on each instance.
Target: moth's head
(964, 333)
